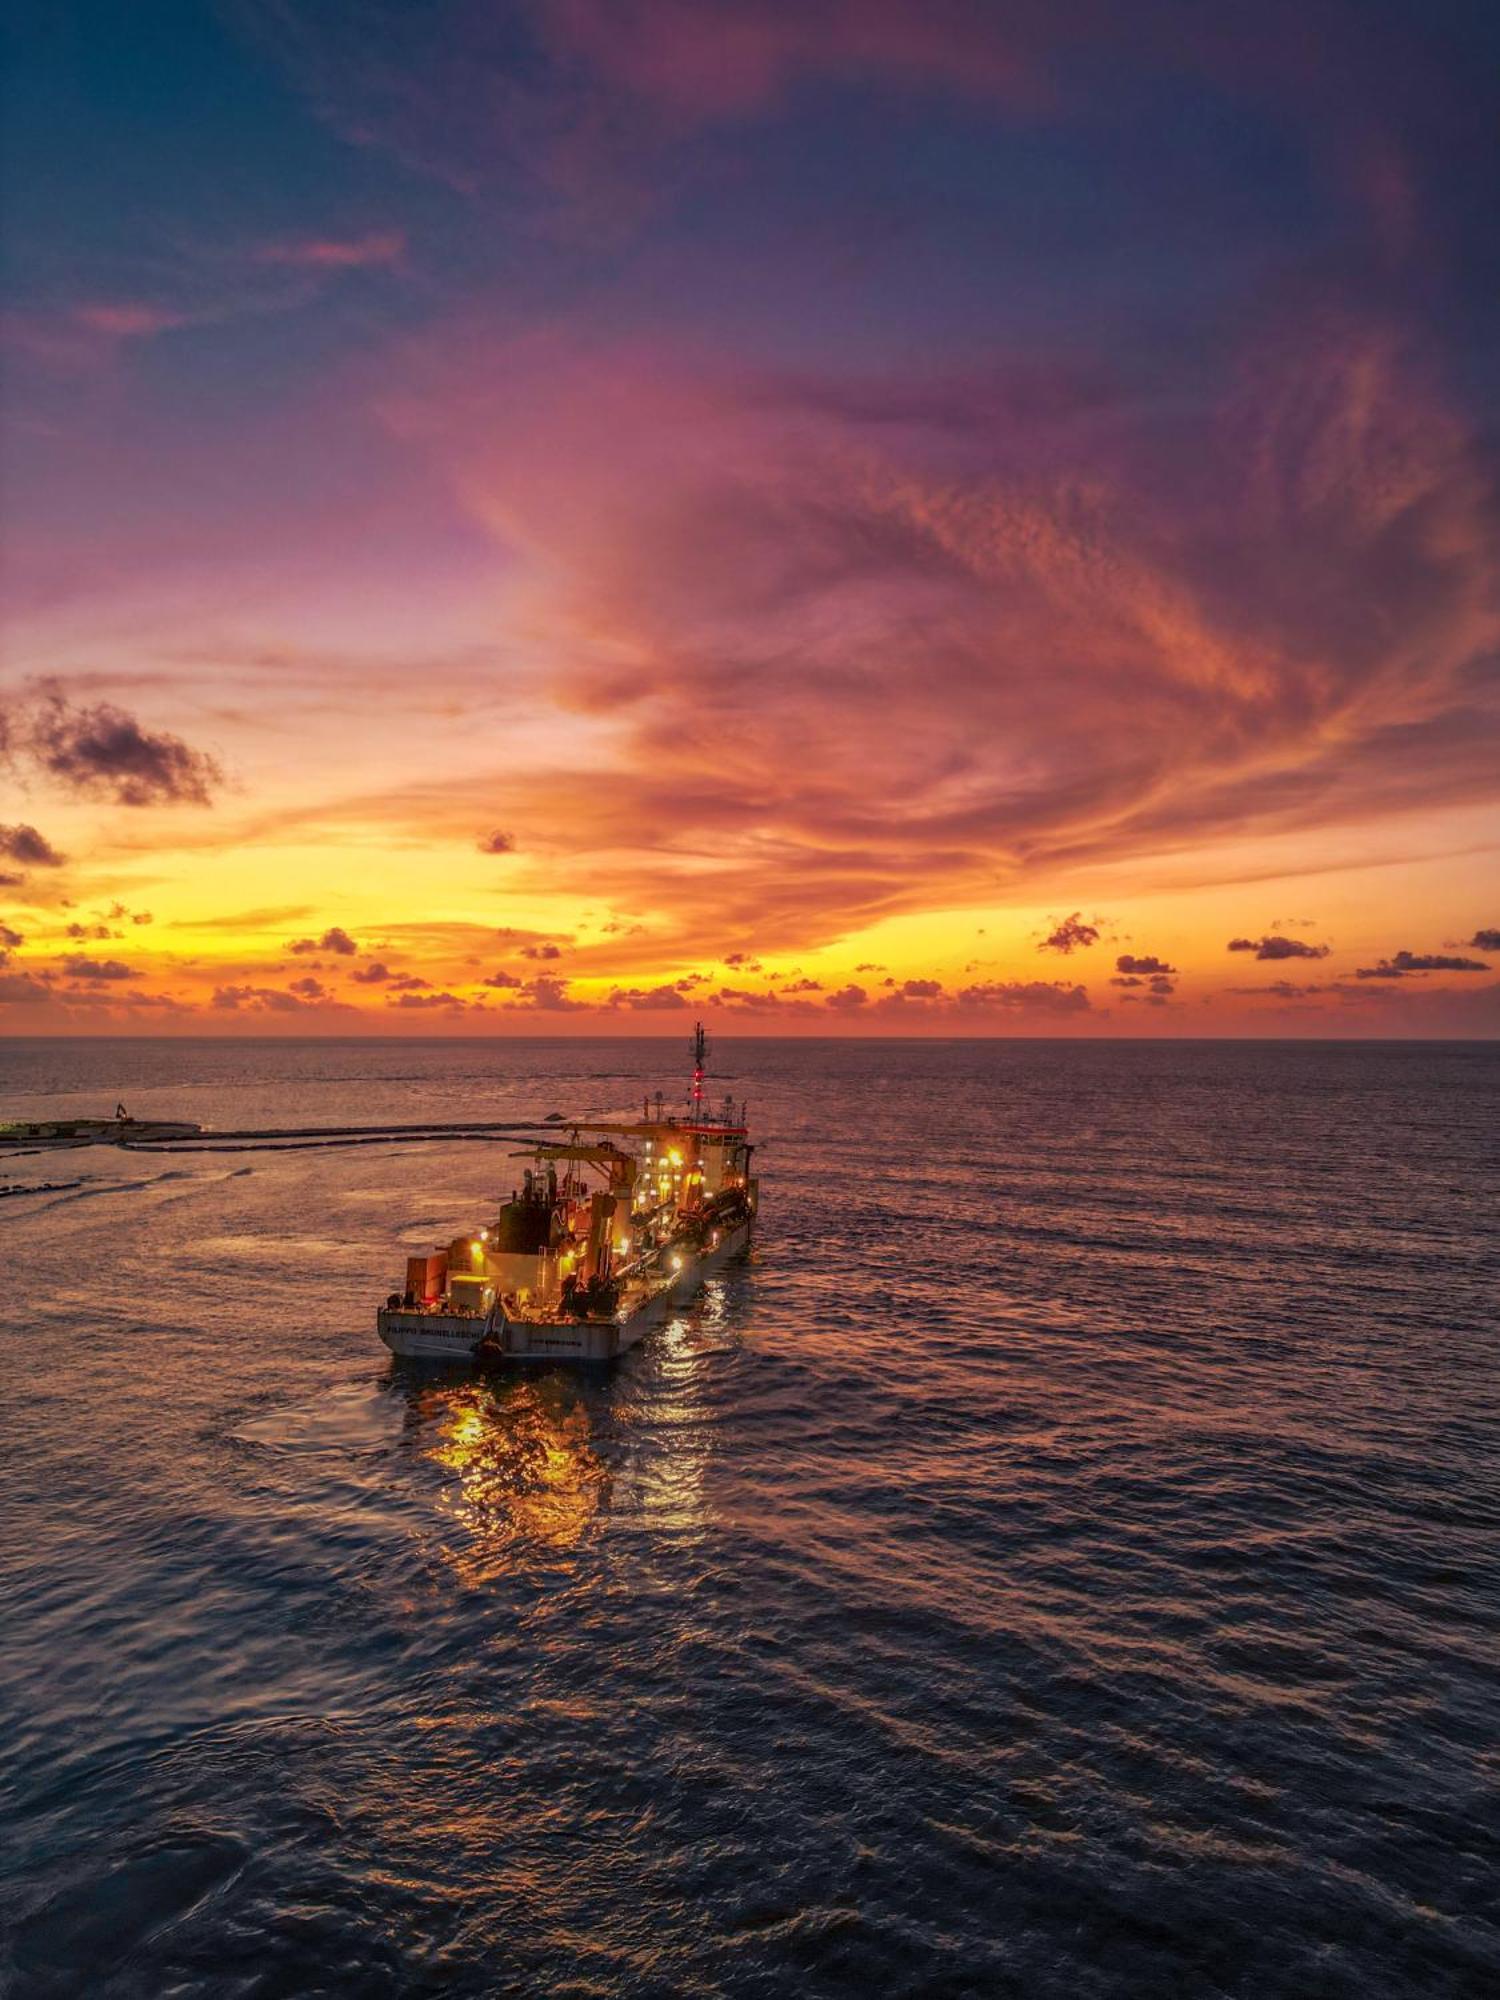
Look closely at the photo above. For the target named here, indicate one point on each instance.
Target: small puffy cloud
(743, 961)
(30, 848)
(1274, 945)
(919, 989)
(1485, 941)
(647, 999)
(502, 978)
(93, 931)
(1148, 974)
(95, 970)
(869, 965)
(1072, 934)
(497, 843)
(746, 1000)
(1023, 996)
(1280, 989)
(547, 995)
(335, 940)
(1405, 963)
(415, 1000)
(848, 1000)
(310, 989)
(803, 986)
(376, 973)
(540, 951)
(11, 938)
(257, 1000)
(20, 989)
(103, 751)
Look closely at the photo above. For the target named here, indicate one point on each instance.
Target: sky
(830, 516)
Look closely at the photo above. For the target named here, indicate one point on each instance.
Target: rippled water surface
(1063, 1560)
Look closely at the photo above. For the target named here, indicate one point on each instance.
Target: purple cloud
(1071, 935)
(1277, 946)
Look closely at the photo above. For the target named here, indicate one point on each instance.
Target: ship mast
(700, 1063)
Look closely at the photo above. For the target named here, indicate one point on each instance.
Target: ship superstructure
(607, 1230)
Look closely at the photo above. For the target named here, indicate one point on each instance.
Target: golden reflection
(526, 1478)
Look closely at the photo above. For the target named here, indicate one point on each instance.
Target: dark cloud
(335, 940)
(95, 970)
(452, 1001)
(30, 848)
(11, 938)
(647, 1000)
(546, 995)
(1023, 996)
(504, 979)
(1072, 934)
(540, 951)
(1275, 946)
(848, 1000)
(1280, 989)
(21, 989)
(748, 1000)
(376, 973)
(1486, 941)
(1406, 963)
(103, 750)
(303, 994)
(1128, 962)
(96, 932)
(256, 1000)
(497, 843)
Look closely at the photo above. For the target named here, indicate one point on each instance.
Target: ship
(608, 1232)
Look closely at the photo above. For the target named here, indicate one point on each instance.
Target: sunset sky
(837, 516)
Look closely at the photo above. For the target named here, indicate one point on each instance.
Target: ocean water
(1064, 1559)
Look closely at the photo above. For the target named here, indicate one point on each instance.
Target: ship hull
(438, 1336)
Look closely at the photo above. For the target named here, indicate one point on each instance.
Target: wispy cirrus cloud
(381, 247)
(943, 637)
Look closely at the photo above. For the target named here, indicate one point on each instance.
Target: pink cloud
(863, 645)
(127, 319)
(332, 253)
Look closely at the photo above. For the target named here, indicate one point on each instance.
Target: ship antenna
(700, 1063)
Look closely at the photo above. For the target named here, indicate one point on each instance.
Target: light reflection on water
(523, 1469)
